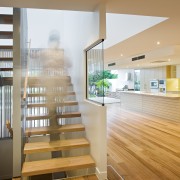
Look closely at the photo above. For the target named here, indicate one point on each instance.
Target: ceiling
(167, 32)
(76, 5)
(120, 27)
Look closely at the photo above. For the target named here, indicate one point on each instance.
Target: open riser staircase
(55, 143)
(6, 73)
(55, 137)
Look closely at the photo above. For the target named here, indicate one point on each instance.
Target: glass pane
(95, 74)
(137, 80)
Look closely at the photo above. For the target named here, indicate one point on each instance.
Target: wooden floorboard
(89, 177)
(142, 146)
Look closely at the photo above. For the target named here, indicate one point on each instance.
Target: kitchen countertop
(165, 95)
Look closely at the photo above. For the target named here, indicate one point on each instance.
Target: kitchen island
(165, 105)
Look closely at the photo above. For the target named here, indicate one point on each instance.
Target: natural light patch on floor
(121, 27)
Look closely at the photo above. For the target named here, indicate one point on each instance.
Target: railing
(5, 109)
(95, 82)
(6, 53)
(35, 69)
(36, 62)
(6, 91)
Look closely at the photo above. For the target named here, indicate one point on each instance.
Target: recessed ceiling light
(169, 59)
(158, 43)
(121, 55)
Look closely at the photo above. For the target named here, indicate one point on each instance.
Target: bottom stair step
(57, 165)
(59, 145)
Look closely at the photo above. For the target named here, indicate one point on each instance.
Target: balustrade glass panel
(96, 83)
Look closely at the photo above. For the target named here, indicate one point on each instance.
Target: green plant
(98, 81)
(103, 85)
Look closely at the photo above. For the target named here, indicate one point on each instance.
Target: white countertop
(167, 95)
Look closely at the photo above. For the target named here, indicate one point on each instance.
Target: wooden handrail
(26, 78)
(8, 125)
(25, 86)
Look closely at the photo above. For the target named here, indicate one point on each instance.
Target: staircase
(6, 57)
(6, 51)
(53, 114)
(57, 120)
(6, 73)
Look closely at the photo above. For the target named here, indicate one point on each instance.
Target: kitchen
(143, 135)
(154, 90)
(152, 82)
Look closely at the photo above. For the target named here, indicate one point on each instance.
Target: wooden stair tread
(6, 47)
(59, 145)
(37, 117)
(6, 59)
(7, 78)
(52, 130)
(56, 93)
(37, 78)
(6, 81)
(65, 103)
(60, 84)
(69, 115)
(64, 115)
(6, 69)
(57, 165)
(49, 80)
(6, 35)
(6, 19)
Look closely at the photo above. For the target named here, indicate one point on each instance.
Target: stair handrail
(8, 126)
(27, 68)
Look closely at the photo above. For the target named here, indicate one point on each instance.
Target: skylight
(121, 27)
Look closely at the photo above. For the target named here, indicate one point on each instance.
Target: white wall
(150, 74)
(80, 30)
(122, 80)
(94, 119)
(41, 23)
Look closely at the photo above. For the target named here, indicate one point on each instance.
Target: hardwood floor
(142, 146)
(90, 177)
